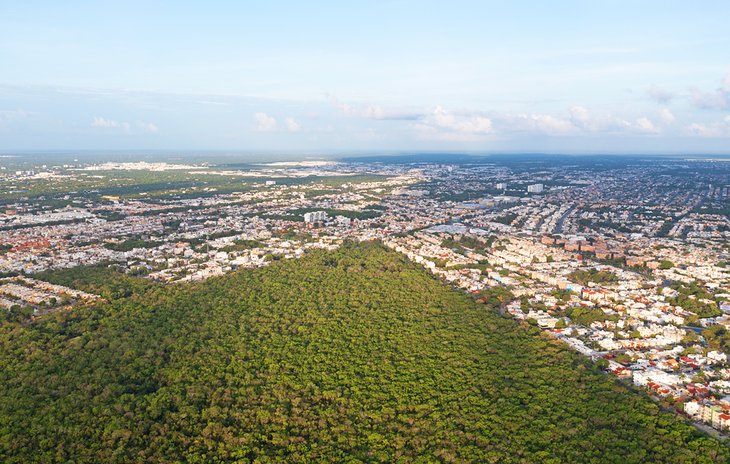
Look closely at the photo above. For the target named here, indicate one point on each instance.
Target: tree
(602, 364)
(349, 355)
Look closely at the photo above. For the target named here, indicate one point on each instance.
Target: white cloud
(474, 124)
(440, 124)
(588, 122)
(659, 95)
(539, 123)
(608, 123)
(580, 116)
(148, 127)
(110, 124)
(265, 123)
(717, 99)
(375, 112)
(444, 125)
(645, 125)
(292, 125)
(126, 127)
(717, 129)
(666, 116)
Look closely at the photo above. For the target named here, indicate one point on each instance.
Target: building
(535, 188)
(315, 216)
(501, 186)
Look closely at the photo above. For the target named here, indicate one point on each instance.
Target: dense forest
(354, 355)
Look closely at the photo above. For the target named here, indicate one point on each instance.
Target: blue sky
(569, 76)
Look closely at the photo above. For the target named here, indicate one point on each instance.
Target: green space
(102, 279)
(354, 355)
(584, 276)
(242, 245)
(463, 243)
(130, 244)
(586, 316)
(506, 219)
(696, 298)
(717, 338)
(158, 185)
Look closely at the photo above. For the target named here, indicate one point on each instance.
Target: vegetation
(130, 244)
(463, 243)
(506, 219)
(717, 338)
(695, 298)
(586, 316)
(17, 313)
(241, 245)
(103, 279)
(349, 356)
(583, 277)
(497, 297)
(143, 184)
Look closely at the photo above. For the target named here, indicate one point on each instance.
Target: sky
(480, 76)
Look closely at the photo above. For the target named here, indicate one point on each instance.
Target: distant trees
(506, 219)
(695, 298)
(17, 314)
(101, 279)
(355, 355)
(130, 244)
(717, 337)
(583, 277)
(585, 316)
(496, 296)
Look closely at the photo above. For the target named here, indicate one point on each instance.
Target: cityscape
(365, 232)
(625, 260)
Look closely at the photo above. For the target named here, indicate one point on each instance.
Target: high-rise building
(501, 186)
(315, 216)
(535, 188)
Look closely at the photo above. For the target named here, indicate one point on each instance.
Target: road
(559, 224)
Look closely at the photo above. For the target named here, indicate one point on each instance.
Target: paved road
(559, 224)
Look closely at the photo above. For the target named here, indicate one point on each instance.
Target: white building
(642, 378)
(315, 216)
(343, 221)
(535, 188)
